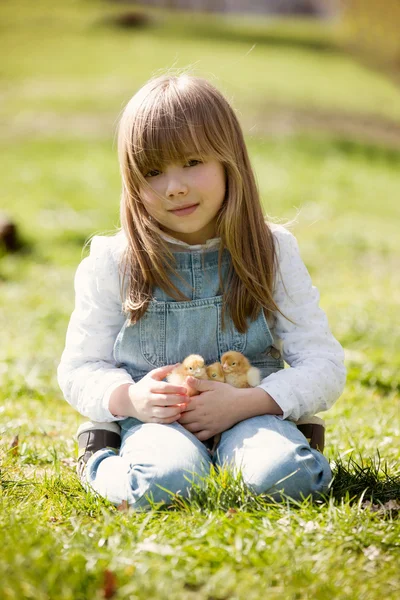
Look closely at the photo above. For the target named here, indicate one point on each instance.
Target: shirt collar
(180, 246)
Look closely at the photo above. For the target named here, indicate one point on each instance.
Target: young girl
(194, 269)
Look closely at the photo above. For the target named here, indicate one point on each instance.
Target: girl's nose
(176, 187)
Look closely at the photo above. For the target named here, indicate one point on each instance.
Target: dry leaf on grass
(110, 584)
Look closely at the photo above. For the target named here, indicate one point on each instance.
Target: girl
(194, 269)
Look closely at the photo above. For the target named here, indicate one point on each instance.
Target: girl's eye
(152, 173)
(193, 162)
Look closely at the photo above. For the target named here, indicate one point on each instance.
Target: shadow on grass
(369, 479)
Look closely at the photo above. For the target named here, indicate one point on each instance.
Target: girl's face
(185, 198)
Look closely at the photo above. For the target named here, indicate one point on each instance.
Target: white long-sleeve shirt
(88, 373)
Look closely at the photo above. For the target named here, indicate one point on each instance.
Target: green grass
(67, 75)
(223, 544)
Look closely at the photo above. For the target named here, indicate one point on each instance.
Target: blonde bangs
(171, 130)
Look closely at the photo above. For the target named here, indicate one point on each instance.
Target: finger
(192, 427)
(162, 372)
(200, 385)
(166, 420)
(168, 399)
(161, 387)
(190, 403)
(203, 435)
(183, 419)
(161, 412)
(186, 410)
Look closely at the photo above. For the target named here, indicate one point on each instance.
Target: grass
(223, 544)
(64, 84)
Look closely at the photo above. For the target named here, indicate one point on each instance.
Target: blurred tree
(372, 27)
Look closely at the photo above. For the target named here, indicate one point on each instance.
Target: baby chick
(215, 372)
(193, 366)
(238, 371)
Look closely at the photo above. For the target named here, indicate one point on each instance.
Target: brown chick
(238, 371)
(192, 366)
(215, 372)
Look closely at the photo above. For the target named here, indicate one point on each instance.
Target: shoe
(93, 436)
(313, 430)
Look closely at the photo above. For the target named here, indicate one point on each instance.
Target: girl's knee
(156, 463)
(297, 473)
(166, 475)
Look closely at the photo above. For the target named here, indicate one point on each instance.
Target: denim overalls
(154, 453)
(170, 330)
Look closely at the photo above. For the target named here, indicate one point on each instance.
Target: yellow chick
(215, 372)
(238, 371)
(192, 366)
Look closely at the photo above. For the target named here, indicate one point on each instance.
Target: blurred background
(315, 84)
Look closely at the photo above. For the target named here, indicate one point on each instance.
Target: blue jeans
(272, 454)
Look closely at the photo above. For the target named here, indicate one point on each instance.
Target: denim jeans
(272, 454)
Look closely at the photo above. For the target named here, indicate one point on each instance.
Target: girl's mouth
(187, 210)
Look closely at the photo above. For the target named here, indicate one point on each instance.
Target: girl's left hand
(212, 410)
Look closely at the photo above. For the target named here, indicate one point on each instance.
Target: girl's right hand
(157, 401)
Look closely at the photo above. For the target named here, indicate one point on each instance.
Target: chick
(193, 365)
(238, 371)
(215, 372)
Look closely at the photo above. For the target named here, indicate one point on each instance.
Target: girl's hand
(212, 410)
(156, 401)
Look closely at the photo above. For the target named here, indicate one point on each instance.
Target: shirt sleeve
(316, 375)
(88, 373)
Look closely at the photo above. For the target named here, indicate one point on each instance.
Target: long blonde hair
(171, 118)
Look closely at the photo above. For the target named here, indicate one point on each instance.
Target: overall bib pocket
(170, 331)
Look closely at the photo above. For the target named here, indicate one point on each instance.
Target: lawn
(67, 76)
